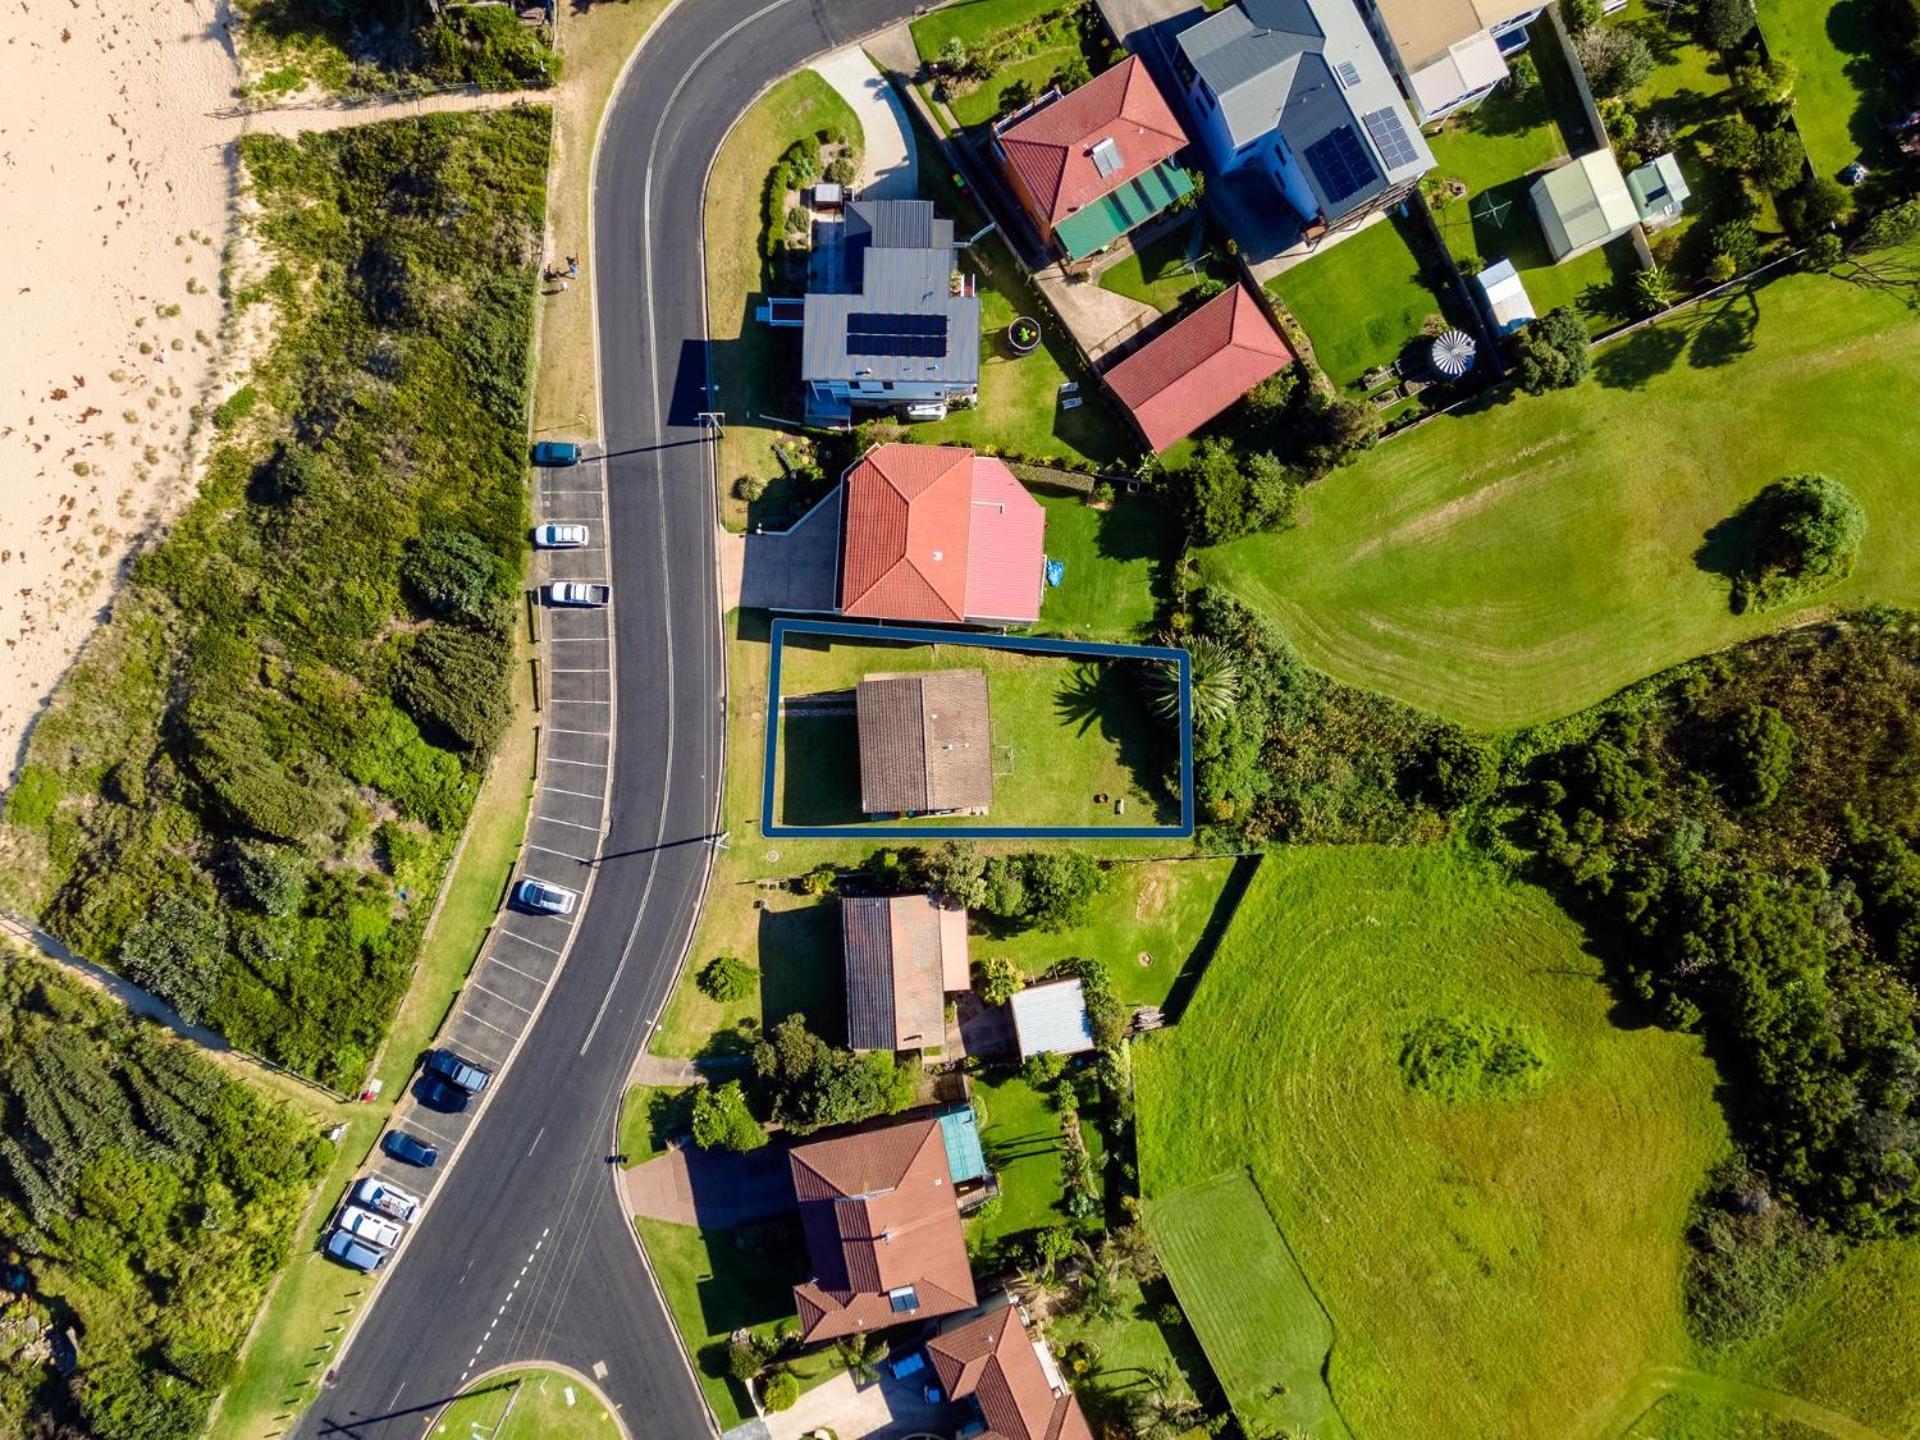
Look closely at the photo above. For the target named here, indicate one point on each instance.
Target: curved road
(525, 1253)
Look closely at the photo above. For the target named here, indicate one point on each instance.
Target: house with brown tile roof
(904, 955)
(1190, 372)
(882, 1228)
(925, 743)
(937, 533)
(1092, 164)
(1007, 1374)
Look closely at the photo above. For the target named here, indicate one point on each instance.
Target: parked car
(545, 898)
(449, 1066)
(442, 1095)
(556, 454)
(561, 537)
(377, 1194)
(355, 1253)
(578, 593)
(409, 1148)
(374, 1229)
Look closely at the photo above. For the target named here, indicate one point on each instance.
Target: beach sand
(114, 161)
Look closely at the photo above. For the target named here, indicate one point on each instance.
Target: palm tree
(862, 1354)
(1216, 684)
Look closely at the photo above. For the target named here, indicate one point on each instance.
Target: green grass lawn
(1161, 272)
(794, 941)
(651, 1115)
(1110, 556)
(756, 370)
(716, 1284)
(972, 20)
(1497, 151)
(1491, 1267)
(1844, 87)
(997, 95)
(1525, 560)
(1022, 1143)
(1062, 731)
(527, 1405)
(1361, 301)
(1151, 928)
(1264, 1331)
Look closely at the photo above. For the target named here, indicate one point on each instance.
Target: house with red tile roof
(1198, 366)
(936, 533)
(883, 1230)
(1096, 162)
(991, 1361)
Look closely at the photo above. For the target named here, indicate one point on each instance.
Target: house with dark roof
(925, 743)
(882, 1229)
(1092, 164)
(890, 320)
(992, 1365)
(1298, 91)
(1198, 366)
(1449, 54)
(904, 954)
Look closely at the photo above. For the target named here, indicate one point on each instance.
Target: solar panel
(1349, 74)
(872, 332)
(1389, 137)
(1341, 164)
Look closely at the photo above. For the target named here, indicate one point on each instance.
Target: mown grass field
(1843, 85)
(1521, 561)
(1263, 1329)
(543, 1405)
(1063, 730)
(1490, 1267)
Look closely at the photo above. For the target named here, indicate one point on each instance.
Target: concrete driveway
(890, 167)
(885, 1410)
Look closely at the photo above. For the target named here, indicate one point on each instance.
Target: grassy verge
(720, 1281)
(528, 1405)
(1539, 1273)
(650, 1116)
(281, 1367)
(596, 40)
(1526, 559)
(1063, 730)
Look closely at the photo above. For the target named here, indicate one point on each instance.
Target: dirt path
(297, 119)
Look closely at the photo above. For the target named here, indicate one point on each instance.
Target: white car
(578, 593)
(548, 899)
(377, 1194)
(561, 537)
(375, 1229)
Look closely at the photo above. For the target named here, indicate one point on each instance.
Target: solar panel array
(1349, 74)
(880, 333)
(1342, 164)
(1389, 137)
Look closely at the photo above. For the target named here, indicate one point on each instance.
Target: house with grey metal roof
(890, 321)
(1298, 90)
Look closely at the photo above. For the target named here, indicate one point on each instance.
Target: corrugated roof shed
(925, 742)
(1051, 1018)
(1584, 203)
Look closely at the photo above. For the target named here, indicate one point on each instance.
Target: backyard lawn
(527, 1405)
(1110, 556)
(1497, 151)
(1523, 560)
(755, 369)
(1844, 87)
(1542, 1234)
(1363, 300)
(1022, 1142)
(971, 21)
(1161, 272)
(1063, 730)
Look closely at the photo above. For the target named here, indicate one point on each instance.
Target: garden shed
(1583, 205)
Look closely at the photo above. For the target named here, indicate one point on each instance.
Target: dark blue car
(441, 1095)
(557, 454)
(409, 1148)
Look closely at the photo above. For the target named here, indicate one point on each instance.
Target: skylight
(1106, 156)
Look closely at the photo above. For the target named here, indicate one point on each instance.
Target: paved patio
(884, 1410)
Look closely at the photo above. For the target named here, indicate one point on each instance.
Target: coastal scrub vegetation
(363, 47)
(245, 795)
(147, 1198)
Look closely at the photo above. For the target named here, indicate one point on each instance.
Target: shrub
(1733, 141)
(1753, 1256)
(1459, 770)
(34, 796)
(235, 408)
(453, 680)
(749, 488)
(1230, 494)
(1552, 352)
(177, 952)
(1777, 160)
(454, 573)
(809, 1084)
(997, 979)
(1043, 1070)
(1736, 240)
(1725, 24)
(1266, 401)
(1756, 754)
(1815, 205)
(1654, 289)
(1580, 15)
(844, 169)
(779, 1391)
(1471, 1058)
(1617, 61)
(722, 1121)
(1803, 533)
(273, 878)
(727, 978)
(1763, 84)
(1332, 430)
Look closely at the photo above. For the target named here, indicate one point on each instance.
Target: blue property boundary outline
(1025, 643)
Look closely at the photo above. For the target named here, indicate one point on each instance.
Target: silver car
(561, 537)
(547, 899)
(374, 1229)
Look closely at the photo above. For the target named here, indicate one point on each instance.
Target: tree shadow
(1853, 32)
(1727, 549)
(1107, 698)
(1631, 363)
(820, 756)
(1225, 906)
(1726, 334)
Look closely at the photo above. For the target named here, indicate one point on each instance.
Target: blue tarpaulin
(1056, 571)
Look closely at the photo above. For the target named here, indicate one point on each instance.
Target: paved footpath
(891, 165)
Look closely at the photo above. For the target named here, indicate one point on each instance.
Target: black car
(457, 1070)
(410, 1148)
(442, 1095)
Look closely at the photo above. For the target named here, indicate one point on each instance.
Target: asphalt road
(525, 1253)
